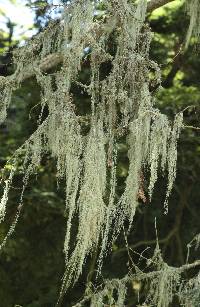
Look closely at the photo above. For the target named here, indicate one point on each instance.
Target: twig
(192, 127)
(188, 107)
(150, 242)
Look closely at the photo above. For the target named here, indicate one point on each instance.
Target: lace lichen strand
(138, 141)
(128, 64)
(86, 159)
(105, 296)
(193, 9)
(117, 286)
(159, 136)
(172, 155)
(163, 284)
(28, 154)
(65, 143)
(7, 86)
(75, 34)
(4, 198)
(91, 206)
(189, 292)
(111, 211)
(129, 199)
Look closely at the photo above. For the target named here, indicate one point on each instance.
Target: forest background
(32, 262)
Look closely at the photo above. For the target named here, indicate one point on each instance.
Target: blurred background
(32, 263)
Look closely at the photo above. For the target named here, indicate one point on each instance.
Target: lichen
(193, 10)
(121, 105)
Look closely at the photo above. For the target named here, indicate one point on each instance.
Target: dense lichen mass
(121, 104)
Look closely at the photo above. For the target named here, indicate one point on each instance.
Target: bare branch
(149, 242)
(51, 61)
(192, 127)
(155, 4)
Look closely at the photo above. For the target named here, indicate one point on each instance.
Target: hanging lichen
(164, 284)
(121, 105)
(193, 10)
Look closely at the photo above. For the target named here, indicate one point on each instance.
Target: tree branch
(155, 4)
(149, 242)
(52, 60)
(192, 127)
(168, 82)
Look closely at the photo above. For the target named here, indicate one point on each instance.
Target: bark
(155, 4)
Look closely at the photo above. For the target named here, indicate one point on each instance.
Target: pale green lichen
(193, 10)
(121, 104)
